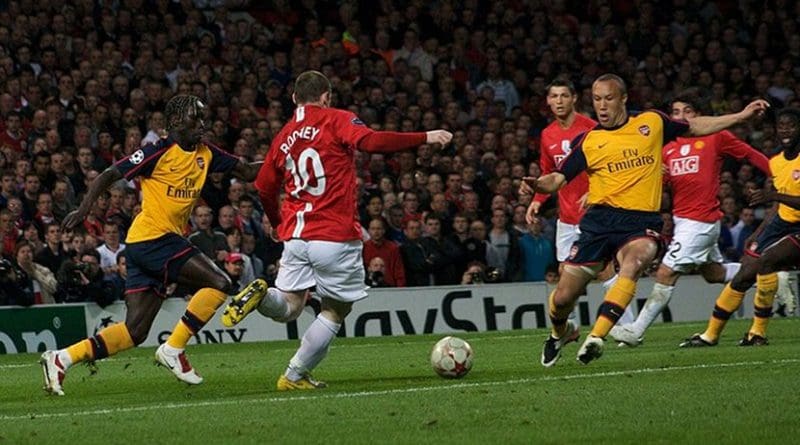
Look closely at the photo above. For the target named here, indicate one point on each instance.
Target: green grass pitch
(382, 390)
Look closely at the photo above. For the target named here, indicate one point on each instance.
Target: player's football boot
(625, 336)
(696, 341)
(179, 365)
(244, 302)
(551, 351)
(753, 340)
(284, 384)
(53, 371)
(591, 349)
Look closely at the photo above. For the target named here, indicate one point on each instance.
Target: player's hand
(531, 216)
(72, 219)
(442, 137)
(528, 186)
(754, 108)
(759, 196)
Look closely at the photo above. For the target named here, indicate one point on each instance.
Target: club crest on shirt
(699, 145)
(795, 174)
(137, 157)
(201, 162)
(573, 252)
(645, 130)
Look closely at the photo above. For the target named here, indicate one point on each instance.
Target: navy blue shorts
(773, 232)
(154, 264)
(604, 230)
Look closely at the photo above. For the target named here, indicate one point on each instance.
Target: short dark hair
(792, 112)
(310, 86)
(693, 97)
(614, 78)
(561, 81)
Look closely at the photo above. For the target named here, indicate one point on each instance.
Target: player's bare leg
(783, 255)
(142, 308)
(634, 258)
(561, 304)
(727, 303)
(214, 285)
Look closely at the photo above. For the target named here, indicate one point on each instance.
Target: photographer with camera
(23, 282)
(81, 280)
(475, 273)
(376, 273)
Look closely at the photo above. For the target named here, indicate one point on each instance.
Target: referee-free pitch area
(382, 390)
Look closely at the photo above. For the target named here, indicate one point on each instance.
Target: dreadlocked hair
(179, 106)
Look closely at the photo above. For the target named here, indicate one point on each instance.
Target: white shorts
(566, 235)
(693, 244)
(336, 268)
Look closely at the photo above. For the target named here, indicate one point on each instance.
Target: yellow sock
(558, 317)
(617, 299)
(109, 341)
(766, 288)
(200, 309)
(727, 303)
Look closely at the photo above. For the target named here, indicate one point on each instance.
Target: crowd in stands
(83, 84)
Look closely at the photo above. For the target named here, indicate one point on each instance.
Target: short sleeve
(143, 161)
(575, 162)
(221, 160)
(672, 128)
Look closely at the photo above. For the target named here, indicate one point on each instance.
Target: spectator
(415, 258)
(234, 267)
(441, 252)
(211, 242)
(81, 280)
(504, 254)
(537, 254)
(110, 250)
(53, 254)
(388, 251)
(39, 281)
(376, 271)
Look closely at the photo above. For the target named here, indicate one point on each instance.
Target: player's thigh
(693, 244)
(566, 235)
(198, 272)
(782, 255)
(636, 256)
(295, 274)
(338, 269)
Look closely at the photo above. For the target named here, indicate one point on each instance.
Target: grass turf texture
(382, 390)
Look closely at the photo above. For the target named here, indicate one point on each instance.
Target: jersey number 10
(302, 177)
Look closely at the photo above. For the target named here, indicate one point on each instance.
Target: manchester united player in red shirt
(554, 146)
(693, 166)
(312, 161)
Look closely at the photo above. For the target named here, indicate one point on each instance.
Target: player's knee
(223, 282)
(665, 275)
(138, 334)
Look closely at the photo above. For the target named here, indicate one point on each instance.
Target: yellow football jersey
(171, 181)
(786, 177)
(624, 163)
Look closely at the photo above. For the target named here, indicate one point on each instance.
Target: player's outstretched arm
(98, 186)
(703, 125)
(757, 196)
(549, 183)
(390, 141)
(246, 171)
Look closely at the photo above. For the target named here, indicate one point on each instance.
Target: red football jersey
(313, 156)
(554, 147)
(693, 168)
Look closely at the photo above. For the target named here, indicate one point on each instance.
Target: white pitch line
(364, 394)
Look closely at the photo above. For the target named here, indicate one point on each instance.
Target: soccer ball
(451, 357)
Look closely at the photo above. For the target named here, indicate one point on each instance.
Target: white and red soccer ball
(451, 357)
